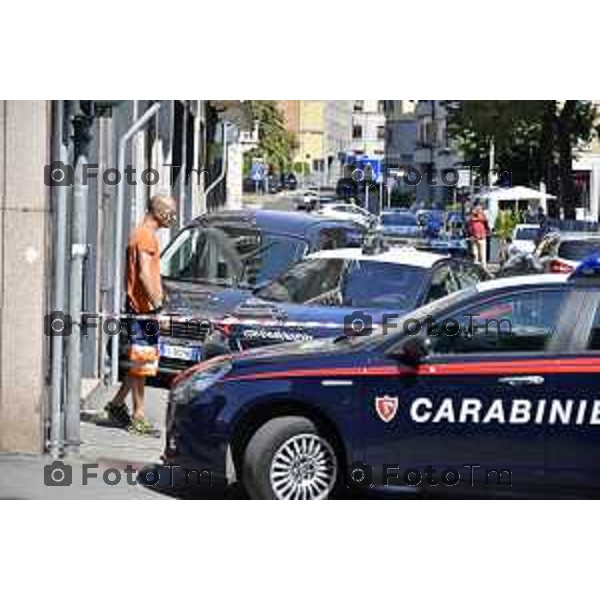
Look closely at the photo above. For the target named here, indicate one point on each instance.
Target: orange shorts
(143, 348)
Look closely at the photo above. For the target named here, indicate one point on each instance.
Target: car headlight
(200, 380)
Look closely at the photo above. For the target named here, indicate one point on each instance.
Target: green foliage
(534, 140)
(301, 167)
(505, 224)
(276, 143)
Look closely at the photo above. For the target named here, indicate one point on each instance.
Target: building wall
(323, 129)
(400, 133)
(433, 150)
(24, 274)
(370, 118)
(338, 136)
(291, 114)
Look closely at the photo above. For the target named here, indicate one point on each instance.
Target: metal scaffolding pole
(183, 168)
(59, 194)
(118, 273)
(78, 253)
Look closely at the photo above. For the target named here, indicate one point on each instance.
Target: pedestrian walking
(144, 301)
(478, 228)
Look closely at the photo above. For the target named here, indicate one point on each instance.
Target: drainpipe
(59, 195)
(221, 176)
(78, 253)
(183, 167)
(118, 273)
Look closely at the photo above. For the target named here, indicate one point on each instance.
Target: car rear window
(578, 249)
(527, 233)
(400, 219)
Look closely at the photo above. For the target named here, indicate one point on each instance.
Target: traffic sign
(258, 172)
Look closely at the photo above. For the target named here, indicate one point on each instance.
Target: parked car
(525, 236)
(562, 252)
(289, 181)
(373, 413)
(348, 212)
(398, 224)
(274, 185)
(337, 292)
(233, 250)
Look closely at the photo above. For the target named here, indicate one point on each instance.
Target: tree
(513, 126)
(276, 143)
(535, 140)
(573, 121)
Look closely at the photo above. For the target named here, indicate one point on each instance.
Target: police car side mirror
(413, 350)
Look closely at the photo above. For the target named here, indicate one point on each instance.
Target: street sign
(464, 178)
(258, 172)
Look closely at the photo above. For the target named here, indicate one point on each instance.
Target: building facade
(368, 128)
(323, 131)
(400, 133)
(434, 152)
(174, 139)
(25, 270)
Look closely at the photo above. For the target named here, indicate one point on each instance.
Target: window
(400, 219)
(230, 255)
(204, 254)
(426, 133)
(594, 337)
(527, 233)
(377, 284)
(578, 249)
(306, 281)
(359, 105)
(381, 132)
(468, 274)
(276, 254)
(356, 132)
(381, 106)
(523, 322)
(442, 283)
(347, 283)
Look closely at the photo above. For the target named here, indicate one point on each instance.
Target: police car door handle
(527, 380)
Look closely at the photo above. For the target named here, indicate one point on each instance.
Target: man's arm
(152, 286)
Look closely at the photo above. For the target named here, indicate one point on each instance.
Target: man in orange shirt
(144, 299)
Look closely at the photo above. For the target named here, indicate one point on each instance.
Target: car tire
(288, 458)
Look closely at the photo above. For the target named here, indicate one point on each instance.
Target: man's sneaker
(143, 427)
(118, 414)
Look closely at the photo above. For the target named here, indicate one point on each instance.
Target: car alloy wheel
(304, 467)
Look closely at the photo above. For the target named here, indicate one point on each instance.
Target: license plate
(187, 353)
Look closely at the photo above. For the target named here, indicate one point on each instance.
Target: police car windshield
(348, 283)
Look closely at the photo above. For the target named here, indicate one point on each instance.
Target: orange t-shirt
(143, 239)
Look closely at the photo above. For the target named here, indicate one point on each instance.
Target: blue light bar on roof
(588, 268)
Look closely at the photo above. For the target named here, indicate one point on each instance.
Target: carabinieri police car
(492, 389)
(345, 290)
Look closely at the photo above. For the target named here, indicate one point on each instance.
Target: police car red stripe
(567, 365)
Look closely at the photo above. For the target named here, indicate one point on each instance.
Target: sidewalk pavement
(106, 445)
(22, 476)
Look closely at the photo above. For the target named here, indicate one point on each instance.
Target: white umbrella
(519, 192)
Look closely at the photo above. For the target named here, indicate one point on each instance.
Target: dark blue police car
(491, 389)
(234, 250)
(343, 290)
